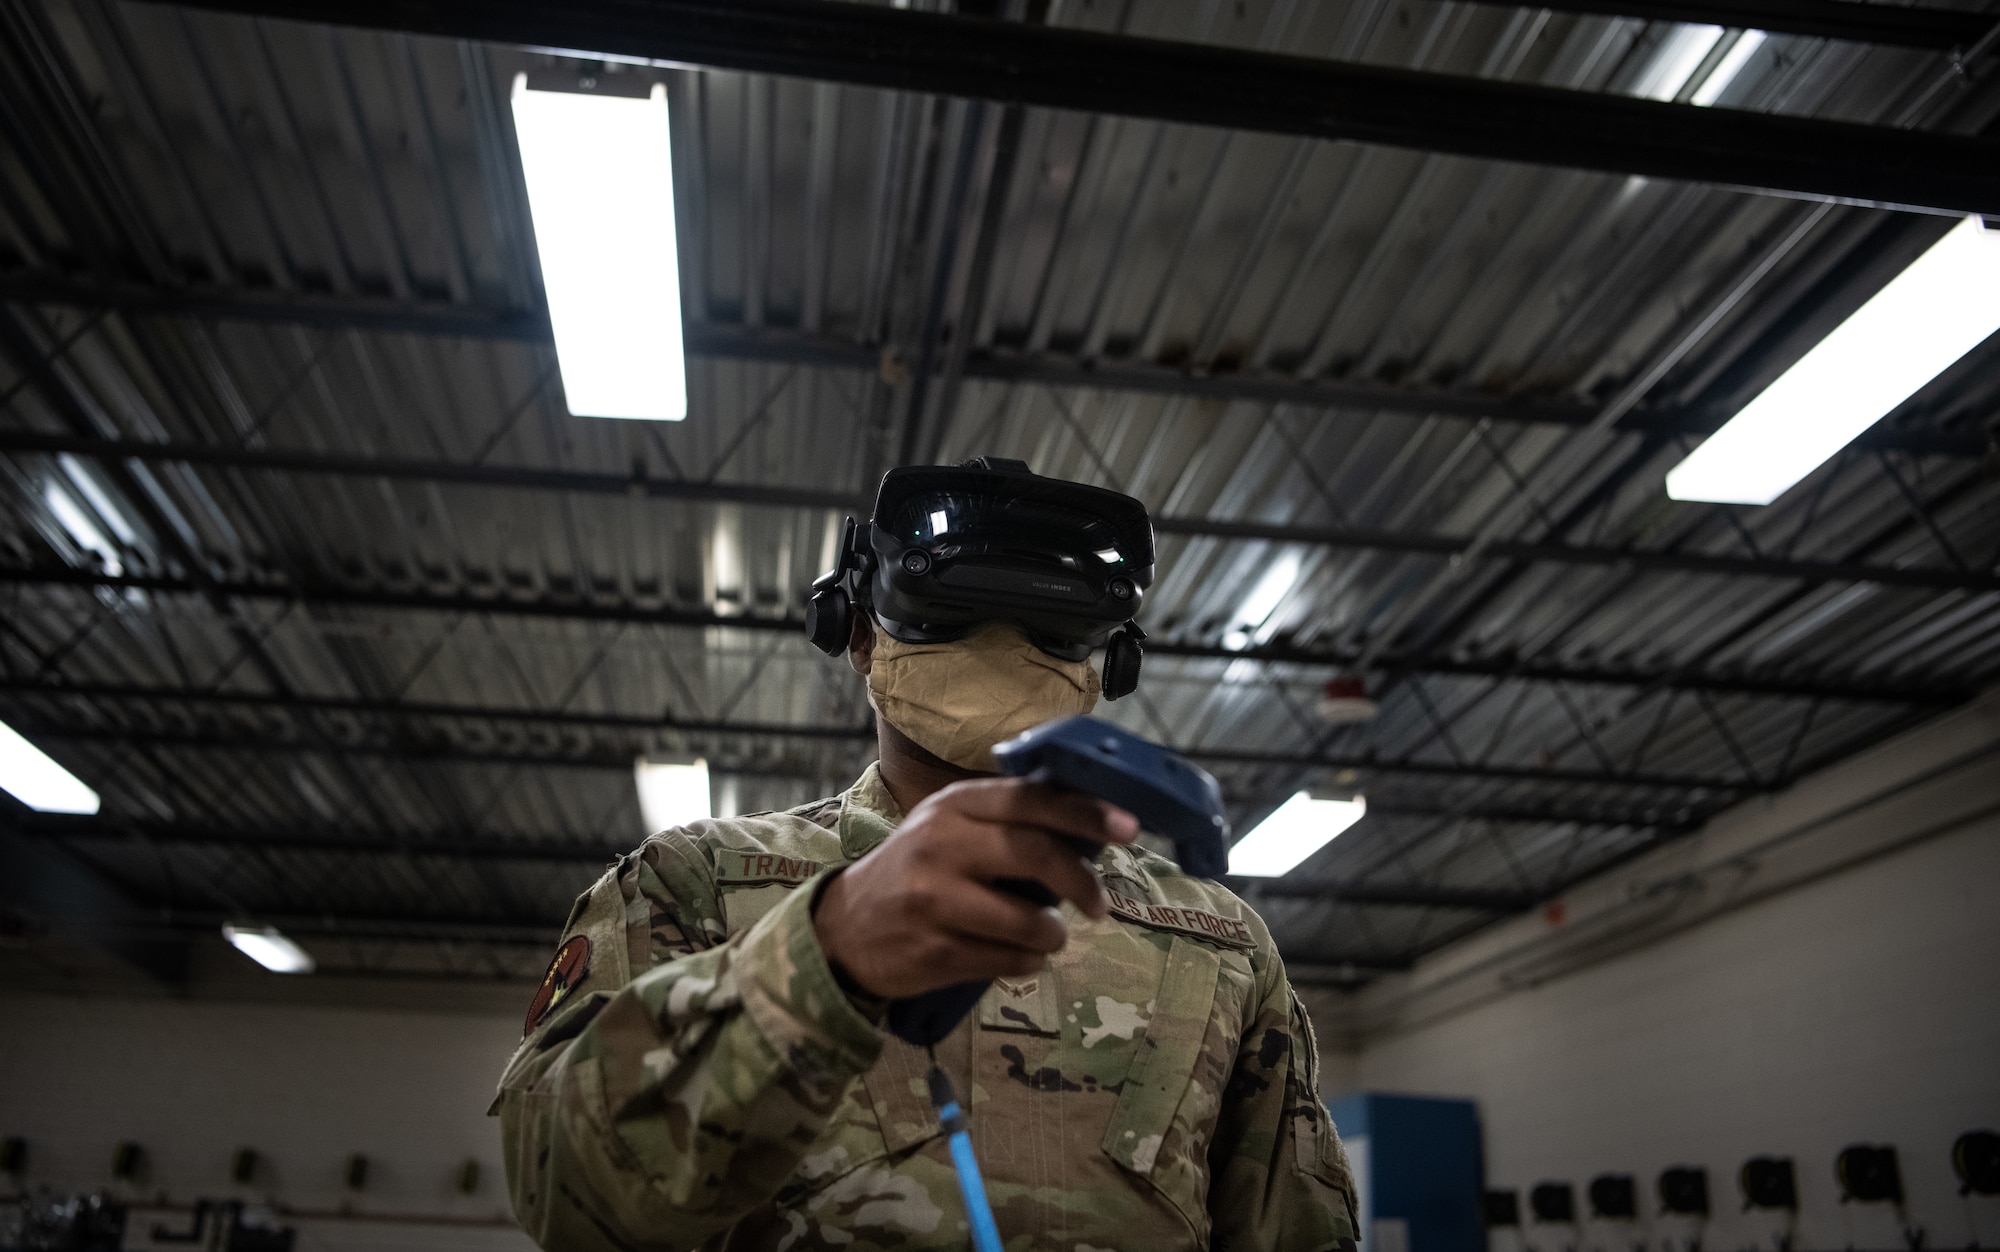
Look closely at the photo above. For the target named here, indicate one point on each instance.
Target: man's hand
(921, 911)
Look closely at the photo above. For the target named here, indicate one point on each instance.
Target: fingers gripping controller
(1167, 794)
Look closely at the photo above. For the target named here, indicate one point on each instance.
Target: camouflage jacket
(693, 1076)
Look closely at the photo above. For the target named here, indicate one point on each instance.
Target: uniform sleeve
(677, 1088)
(1279, 1177)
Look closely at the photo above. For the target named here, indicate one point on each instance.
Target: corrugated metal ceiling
(232, 232)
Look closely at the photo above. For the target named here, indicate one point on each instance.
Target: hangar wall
(305, 1085)
(1859, 1003)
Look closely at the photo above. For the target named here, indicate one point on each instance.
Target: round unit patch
(568, 969)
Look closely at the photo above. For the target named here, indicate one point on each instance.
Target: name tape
(1199, 922)
(748, 868)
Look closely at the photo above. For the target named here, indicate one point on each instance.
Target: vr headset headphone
(952, 547)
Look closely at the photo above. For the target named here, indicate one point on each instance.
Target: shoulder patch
(822, 813)
(1231, 932)
(567, 970)
(735, 868)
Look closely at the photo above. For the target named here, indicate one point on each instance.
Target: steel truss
(549, 607)
(620, 737)
(1913, 27)
(507, 847)
(1407, 543)
(736, 342)
(1211, 85)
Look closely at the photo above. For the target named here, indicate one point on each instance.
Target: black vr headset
(951, 547)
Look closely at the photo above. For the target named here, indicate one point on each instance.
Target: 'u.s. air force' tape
(1231, 931)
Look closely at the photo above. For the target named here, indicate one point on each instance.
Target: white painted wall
(304, 1084)
(1852, 995)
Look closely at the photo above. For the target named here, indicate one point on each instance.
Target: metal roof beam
(735, 342)
(133, 695)
(547, 607)
(1213, 85)
(508, 847)
(1907, 27)
(563, 609)
(1343, 538)
(1688, 791)
(1344, 973)
(1387, 895)
(1056, 370)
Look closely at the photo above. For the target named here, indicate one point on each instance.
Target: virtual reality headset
(951, 547)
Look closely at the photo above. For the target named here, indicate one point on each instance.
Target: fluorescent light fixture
(1300, 827)
(600, 180)
(82, 529)
(1681, 54)
(1726, 70)
(1940, 308)
(269, 948)
(1254, 615)
(31, 776)
(86, 482)
(672, 793)
(940, 522)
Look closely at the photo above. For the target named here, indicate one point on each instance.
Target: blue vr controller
(1169, 795)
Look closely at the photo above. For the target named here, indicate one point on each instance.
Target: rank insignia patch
(567, 971)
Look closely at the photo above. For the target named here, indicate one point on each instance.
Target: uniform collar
(867, 814)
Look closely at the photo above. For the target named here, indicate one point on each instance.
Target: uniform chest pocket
(1160, 1124)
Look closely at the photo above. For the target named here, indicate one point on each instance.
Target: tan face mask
(958, 699)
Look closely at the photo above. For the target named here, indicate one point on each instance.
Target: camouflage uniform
(707, 1084)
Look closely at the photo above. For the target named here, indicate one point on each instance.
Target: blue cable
(978, 1213)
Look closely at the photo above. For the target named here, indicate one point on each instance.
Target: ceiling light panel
(269, 947)
(1728, 68)
(1944, 305)
(1681, 54)
(1300, 827)
(599, 170)
(672, 793)
(78, 524)
(1252, 620)
(34, 778)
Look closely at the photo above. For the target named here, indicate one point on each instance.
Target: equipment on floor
(46, 1222)
(1768, 1182)
(236, 1228)
(1553, 1203)
(1614, 1197)
(1975, 1158)
(1684, 1190)
(1868, 1173)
